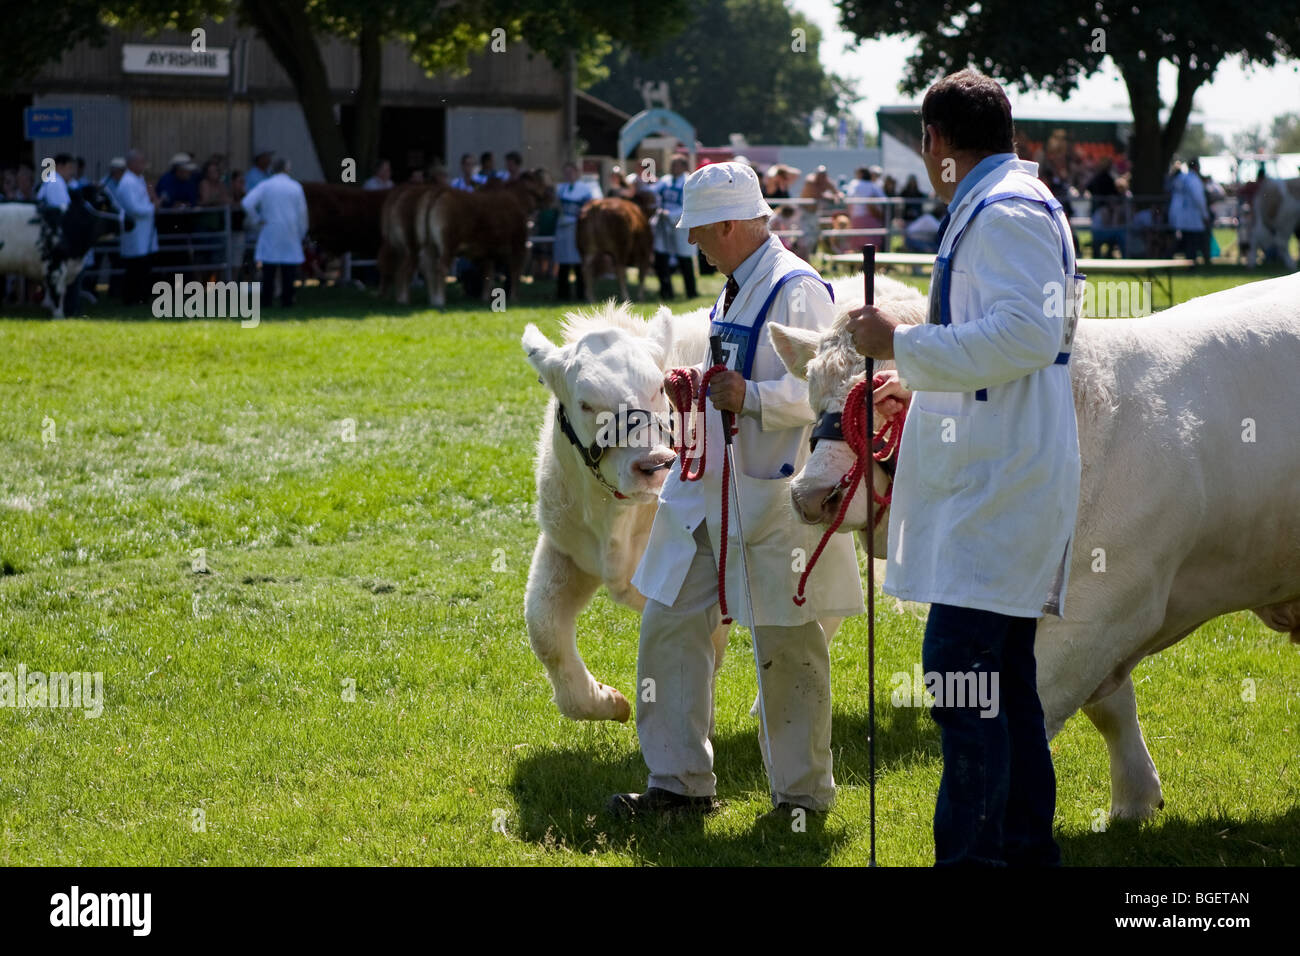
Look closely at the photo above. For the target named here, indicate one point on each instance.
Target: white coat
(133, 196)
(572, 196)
(1187, 207)
(668, 238)
(280, 204)
(986, 492)
(55, 193)
(763, 446)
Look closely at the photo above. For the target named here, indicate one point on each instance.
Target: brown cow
(489, 226)
(619, 229)
(344, 218)
(399, 252)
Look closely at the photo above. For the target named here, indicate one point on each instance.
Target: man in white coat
(987, 484)
(726, 216)
(672, 245)
(138, 245)
(281, 206)
(54, 192)
(1188, 211)
(573, 193)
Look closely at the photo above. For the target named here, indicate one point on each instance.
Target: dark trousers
(135, 281)
(562, 281)
(997, 794)
(685, 265)
(288, 273)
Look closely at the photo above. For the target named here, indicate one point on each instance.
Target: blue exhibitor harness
(742, 340)
(940, 306)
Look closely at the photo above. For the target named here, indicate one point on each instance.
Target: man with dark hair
(514, 166)
(486, 173)
(281, 205)
(988, 475)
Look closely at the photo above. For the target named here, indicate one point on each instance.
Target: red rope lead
(884, 445)
(689, 391)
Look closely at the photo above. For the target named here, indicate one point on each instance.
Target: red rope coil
(884, 445)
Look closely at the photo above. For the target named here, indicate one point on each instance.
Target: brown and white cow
(619, 229)
(487, 226)
(401, 235)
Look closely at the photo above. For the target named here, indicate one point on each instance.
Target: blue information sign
(44, 122)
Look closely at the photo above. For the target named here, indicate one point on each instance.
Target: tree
(440, 34)
(1051, 44)
(1286, 133)
(740, 66)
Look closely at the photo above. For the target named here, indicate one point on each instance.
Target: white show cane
(715, 346)
(869, 289)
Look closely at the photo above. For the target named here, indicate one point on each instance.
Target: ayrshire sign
(156, 58)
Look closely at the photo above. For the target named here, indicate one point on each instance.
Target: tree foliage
(738, 67)
(1052, 44)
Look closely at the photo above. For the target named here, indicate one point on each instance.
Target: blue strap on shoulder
(1053, 206)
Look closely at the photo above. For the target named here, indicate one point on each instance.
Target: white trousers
(676, 653)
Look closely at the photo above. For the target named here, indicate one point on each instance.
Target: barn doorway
(410, 137)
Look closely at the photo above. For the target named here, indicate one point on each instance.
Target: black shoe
(657, 801)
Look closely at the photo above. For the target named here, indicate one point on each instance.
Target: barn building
(143, 91)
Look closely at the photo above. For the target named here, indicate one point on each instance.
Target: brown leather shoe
(657, 802)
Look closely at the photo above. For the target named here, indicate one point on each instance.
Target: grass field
(394, 564)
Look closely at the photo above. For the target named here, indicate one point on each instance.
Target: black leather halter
(591, 454)
(831, 425)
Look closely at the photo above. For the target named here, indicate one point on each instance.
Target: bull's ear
(542, 356)
(794, 346)
(660, 328)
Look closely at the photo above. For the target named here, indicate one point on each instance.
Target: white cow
(610, 357)
(1275, 215)
(611, 361)
(1190, 444)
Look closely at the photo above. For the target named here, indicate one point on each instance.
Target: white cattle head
(608, 384)
(832, 367)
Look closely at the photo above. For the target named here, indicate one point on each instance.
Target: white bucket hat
(720, 192)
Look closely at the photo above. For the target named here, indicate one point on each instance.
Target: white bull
(1190, 442)
(610, 358)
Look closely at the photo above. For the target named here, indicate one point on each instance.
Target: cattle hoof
(622, 709)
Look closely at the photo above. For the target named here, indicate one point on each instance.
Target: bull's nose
(654, 462)
(810, 506)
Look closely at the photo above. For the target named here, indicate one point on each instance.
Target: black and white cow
(43, 242)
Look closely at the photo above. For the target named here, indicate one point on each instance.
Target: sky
(1236, 100)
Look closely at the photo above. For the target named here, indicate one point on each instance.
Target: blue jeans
(997, 795)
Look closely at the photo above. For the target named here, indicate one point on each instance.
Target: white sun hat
(719, 192)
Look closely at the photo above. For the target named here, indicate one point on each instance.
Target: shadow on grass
(561, 796)
(1175, 841)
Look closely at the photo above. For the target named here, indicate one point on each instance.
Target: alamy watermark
(951, 689)
(212, 300)
(23, 689)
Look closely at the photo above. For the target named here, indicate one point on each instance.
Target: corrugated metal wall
(544, 140)
(476, 129)
(163, 127)
(281, 126)
(101, 129)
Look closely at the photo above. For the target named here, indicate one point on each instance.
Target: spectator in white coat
(280, 204)
(573, 194)
(1188, 211)
(54, 190)
(138, 245)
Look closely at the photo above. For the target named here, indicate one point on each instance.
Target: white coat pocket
(943, 443)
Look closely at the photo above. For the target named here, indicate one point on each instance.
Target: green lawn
(395, 564)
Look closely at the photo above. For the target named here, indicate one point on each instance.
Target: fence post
(230, 243)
